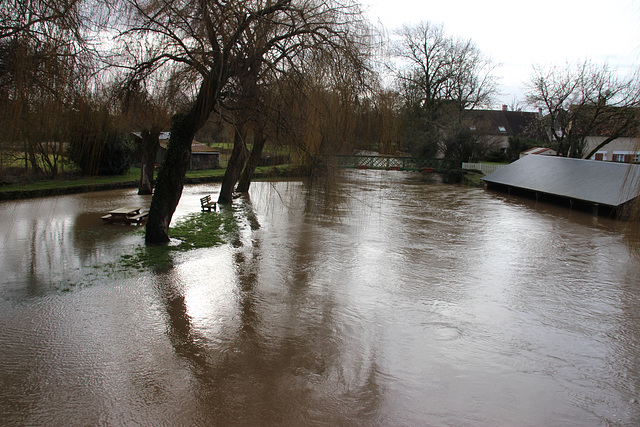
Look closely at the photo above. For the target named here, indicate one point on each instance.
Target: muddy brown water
(379, 300)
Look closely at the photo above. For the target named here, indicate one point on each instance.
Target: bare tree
(577, 100)
(471, 82)
(439, 77)
(424, 68)
(214, 44)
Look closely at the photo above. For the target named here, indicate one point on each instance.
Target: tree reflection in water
(287, 360)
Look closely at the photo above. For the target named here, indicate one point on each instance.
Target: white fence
(485, 168)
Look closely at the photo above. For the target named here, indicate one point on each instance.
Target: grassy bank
(472, 179)
(98, 183)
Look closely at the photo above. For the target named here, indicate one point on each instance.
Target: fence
(483, 167)
(387, 162)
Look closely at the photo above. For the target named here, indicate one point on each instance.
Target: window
(502, 129)
(626, 156)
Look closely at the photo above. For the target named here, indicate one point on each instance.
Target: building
(594, 125)
(498, 125)
(622, 149)
(202, 156)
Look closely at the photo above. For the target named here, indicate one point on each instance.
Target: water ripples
(379, 301)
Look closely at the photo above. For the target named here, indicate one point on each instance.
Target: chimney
(504, 107)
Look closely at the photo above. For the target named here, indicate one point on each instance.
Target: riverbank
(46, 188)
(102, 183)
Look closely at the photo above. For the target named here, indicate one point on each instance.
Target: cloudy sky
(518, 34)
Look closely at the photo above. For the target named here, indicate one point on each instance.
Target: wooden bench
(207, 204)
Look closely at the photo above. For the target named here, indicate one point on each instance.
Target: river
(381, 299)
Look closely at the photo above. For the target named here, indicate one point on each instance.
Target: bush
(464, 145)
(109, 154)
(97, 147)
(496, 156)
(452, 176)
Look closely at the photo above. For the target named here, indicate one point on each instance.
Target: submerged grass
(196, 231)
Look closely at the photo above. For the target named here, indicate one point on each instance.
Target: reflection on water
(378, 300)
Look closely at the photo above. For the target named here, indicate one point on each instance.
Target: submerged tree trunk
(170, 180)
(234, 167)
(176, 162)
(149, 146)
(252, 163)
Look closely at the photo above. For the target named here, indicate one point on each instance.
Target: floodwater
(379, 300)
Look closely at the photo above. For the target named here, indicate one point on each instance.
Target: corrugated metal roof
(605, 183)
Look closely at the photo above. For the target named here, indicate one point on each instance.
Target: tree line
(77, 76)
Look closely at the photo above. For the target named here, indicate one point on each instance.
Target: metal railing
(387, 163)
(483, 167)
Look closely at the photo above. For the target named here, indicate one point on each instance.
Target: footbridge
(389, 163)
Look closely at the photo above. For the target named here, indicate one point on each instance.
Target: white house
(623, 149)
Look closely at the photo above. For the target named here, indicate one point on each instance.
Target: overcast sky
(519, 34)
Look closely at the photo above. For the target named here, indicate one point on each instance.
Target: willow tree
(146, 107)
(46, 58)
(213, 44)
(324, 94)
(255, 100)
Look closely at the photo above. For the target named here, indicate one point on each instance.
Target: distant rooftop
(541, 151)
(604, 183)
(501, 122)
(196, 147)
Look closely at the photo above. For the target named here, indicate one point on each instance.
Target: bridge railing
(387, 163)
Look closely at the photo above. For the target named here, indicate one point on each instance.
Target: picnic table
(126, 215)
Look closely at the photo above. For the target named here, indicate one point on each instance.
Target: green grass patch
(472, 179)
(204, 173)
(196, 231)
(494, 163)
(132, 176)
(203, 230)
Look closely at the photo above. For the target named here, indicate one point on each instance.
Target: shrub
(108, 154)
(96, 146)
(496, 156)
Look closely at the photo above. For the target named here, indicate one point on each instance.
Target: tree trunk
(252, 163)
(149, 146)
(170, 180)
(234, 167)
(176, 162)
(35, 168)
